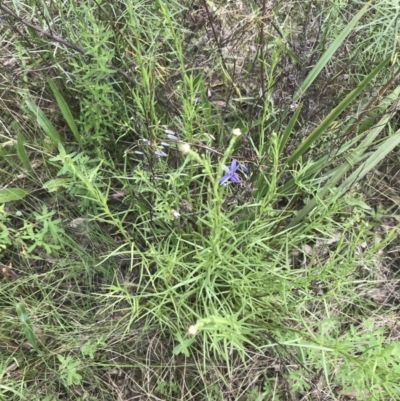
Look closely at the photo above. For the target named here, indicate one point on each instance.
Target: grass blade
(21, 148)
(353, 158)
(307, 142)
(329, 53)
(321, 163)
(324, 161)
(66, 111)
(11, 390)
(44, 122)
(288, 130)
(384, 149)
(27, 326)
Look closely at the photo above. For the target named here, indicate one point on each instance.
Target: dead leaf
(11, 368)
(6, 270)
(352, 394)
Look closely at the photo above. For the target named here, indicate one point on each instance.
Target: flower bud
(192, 330)
(185, 148)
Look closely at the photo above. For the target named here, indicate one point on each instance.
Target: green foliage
(90, 347)
(187, 288)
(42, 231)
(12, 194)
(81, 178)
(101, 108)
(169, 389)
(27, 326)
(380, 31)
(366, 362)
(329, 53)
(69, 370)
(45, 232)
(21, 149)
(65, 111)
(44, 122)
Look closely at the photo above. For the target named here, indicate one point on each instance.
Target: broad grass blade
(288, 130)
(27, 326)
(324, 161)
(21, 148)
(44, 122)
(319, 164)
(331, 117)
(66, 111)
(384, 149)
(354, 157)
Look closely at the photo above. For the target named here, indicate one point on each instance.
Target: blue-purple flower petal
(160, 153)
(224, 179)
(235, 178)
(173, 137)
(243, 168)
(231, 174)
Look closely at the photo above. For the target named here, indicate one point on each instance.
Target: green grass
(129, 275)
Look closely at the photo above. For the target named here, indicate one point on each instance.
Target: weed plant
(184, 209)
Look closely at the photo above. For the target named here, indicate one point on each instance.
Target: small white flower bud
(192, 330)
(185, 148)
(175, 214)
(237, 132)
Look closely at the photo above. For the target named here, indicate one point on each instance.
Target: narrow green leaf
(11, 390)
(288, 130)
(359, 204)
(319, 164)
(293, 55)
(12, 194)
(354, 157)
(329, 53)
(44, 122)
(371, 111)
(66, 111)
(21, 148)
(27, 326)
(307, 142)
(384, 149)
(324, 161)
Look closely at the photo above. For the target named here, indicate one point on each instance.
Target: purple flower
(160, 153)
(171, 135)
(231, 174)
